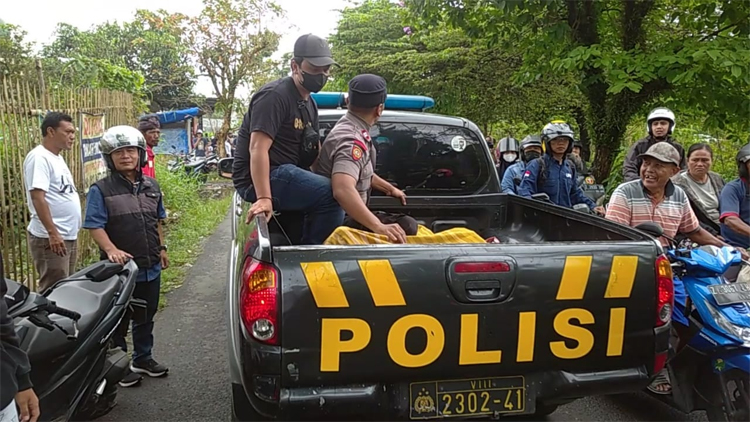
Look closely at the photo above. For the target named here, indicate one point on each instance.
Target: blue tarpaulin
(176, 116)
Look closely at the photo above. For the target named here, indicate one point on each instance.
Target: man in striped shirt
(656, 199)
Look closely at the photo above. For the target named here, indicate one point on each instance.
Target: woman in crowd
(702, 186)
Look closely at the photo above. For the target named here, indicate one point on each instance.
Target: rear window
(428, 159)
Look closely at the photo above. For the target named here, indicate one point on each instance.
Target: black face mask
(531, 155)
(313, 83)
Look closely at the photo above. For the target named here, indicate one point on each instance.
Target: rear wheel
(242, 410)
(737, 389)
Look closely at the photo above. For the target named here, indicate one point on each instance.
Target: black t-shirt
(278, 110)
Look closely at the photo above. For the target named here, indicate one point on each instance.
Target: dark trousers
(143, 337)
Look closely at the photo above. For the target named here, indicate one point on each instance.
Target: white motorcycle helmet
(123, 136)
(660, 113)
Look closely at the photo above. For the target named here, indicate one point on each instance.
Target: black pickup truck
(569, 305)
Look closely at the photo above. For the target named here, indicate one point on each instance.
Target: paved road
(190, 338)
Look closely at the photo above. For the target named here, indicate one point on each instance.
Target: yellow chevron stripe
(616, 336)
(621, 277)
(324, 284)
(575, 277)
(382, 282)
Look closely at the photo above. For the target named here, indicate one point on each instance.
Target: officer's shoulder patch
(366, 135)
(356, 152)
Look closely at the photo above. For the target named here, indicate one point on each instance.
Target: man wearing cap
(151, 130)
(279, 140)
(348, 157)
(654, 198)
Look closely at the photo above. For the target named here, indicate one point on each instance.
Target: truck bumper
(391, 401)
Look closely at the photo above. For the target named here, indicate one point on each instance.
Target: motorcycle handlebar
(54, 309)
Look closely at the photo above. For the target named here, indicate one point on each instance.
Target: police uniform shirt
(348, 149)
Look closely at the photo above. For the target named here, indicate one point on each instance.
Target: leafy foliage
(230, 45)
(625, 55)
(467, 77)
(15, 52)
(150, 45)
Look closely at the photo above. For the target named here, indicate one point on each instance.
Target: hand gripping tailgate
(416, 313)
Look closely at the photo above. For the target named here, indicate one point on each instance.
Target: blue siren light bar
(329, 100)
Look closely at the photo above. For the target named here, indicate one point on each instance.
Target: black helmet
(530, 141)
(743, 156)
(507, 144)
(556, 129)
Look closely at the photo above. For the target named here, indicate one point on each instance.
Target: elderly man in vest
(124, 213)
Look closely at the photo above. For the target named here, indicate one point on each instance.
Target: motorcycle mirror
(651, 228)
(225, 167)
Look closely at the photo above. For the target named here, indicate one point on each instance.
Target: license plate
(727, 294)
(465, 398)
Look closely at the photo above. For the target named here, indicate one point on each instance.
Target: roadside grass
(192, 216)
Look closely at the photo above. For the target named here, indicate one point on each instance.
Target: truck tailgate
(401, 314)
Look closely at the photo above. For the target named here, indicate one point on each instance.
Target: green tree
(625, 55)
(466, 76)
(151, 45)
(230, 45)
(15, 51)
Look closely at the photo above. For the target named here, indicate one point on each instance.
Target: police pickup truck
(569, 305)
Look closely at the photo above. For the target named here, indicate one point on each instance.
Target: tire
(242, 410)
(738, 385)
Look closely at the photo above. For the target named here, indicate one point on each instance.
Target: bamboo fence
(23, 105)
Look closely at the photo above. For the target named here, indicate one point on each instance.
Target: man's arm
(730, 201)
(630, 165)
(345, 192)
(260, 167)
(56, 242)
(737, 225)
(162, 241)
(703, 237)
(577, 195)
(378, 183)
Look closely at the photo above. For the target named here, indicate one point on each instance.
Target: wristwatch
(163, 248)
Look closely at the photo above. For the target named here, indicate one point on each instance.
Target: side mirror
(225, 167)
(651, 228)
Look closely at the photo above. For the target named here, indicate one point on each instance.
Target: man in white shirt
(53, 202)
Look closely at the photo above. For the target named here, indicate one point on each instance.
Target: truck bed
(566, 302)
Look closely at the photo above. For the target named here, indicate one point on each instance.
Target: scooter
(590, 188)
(711, 369)
(66, 333)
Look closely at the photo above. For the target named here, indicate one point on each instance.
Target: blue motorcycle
(711, 367)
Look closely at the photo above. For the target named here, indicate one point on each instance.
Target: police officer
(124, 212)
(348, 157)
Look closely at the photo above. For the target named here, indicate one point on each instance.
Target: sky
(302, 16)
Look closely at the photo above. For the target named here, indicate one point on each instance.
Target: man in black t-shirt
(278, 141)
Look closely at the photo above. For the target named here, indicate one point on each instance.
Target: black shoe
(149, 367)
(131, 379)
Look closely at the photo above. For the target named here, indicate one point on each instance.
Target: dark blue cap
(367, 91)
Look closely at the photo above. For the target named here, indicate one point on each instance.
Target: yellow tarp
(349, 236)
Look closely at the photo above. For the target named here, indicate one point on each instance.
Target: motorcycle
(711, 368)
(595, 191)
(66, 333)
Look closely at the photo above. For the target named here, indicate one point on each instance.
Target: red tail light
(481, 267)
(665, 294)
(259, 301)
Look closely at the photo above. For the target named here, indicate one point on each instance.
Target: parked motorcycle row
(193, 165)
